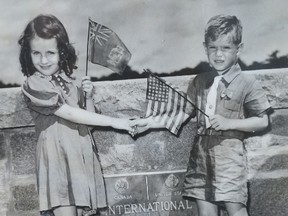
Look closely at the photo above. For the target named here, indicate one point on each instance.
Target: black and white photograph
(143, 108)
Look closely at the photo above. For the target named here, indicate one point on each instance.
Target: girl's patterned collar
(62, 75)
(42, 75)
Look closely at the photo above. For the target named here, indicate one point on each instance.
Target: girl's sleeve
(41, 96)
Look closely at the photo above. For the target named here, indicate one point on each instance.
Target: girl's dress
(67, 166)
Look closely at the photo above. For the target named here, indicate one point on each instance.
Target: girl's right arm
(81, 116)
(42, 97)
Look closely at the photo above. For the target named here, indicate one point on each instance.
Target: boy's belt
(230, 133)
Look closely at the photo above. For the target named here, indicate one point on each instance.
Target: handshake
(139, 125)
(136, 125)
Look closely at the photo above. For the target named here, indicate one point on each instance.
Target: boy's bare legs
(68, 211)
(79, 211)
(206, 208)
(236, 209)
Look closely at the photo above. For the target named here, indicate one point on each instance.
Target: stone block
(13, 110)
(4, 187)
(267, 154)
(3, 146)
(25, 213)
(23, 147)
(25, 197)
(279, 119)
(274, 82)
(154, 151)
(275, 163)
(268, 197)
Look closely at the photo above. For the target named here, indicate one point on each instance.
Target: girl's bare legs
(206, 208)
(236, 209)
(68, 211)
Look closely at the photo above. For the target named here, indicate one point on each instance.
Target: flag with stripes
(165, 104)
(105, 48)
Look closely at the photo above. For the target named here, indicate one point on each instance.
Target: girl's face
(222, 53)
(45, 56)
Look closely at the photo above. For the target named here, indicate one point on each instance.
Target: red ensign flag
(105, 48)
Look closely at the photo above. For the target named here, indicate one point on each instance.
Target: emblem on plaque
(171, 182)
(121, 185)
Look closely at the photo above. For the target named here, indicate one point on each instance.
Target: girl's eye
(35, 53)
(49, 53)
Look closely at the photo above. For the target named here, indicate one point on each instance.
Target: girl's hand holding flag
(87, 86)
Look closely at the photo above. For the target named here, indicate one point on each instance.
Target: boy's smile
(44, 55)
(222, 53)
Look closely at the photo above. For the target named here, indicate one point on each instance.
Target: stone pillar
(144, 174)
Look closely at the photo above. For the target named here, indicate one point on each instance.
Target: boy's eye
(212, 48)
(226, 48)
(223, 49)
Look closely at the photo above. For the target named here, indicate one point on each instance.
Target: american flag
(165, 104)
(105, 48)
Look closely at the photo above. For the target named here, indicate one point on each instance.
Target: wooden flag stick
(87, 56)
(87, 49)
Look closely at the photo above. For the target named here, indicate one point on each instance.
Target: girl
(69, 177)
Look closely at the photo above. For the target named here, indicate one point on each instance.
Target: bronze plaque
(148, 194)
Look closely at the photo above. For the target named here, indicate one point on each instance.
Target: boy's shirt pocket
(232, 103)
(231, 100)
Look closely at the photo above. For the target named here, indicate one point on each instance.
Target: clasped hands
(139, 125)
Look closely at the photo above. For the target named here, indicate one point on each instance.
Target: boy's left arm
(251, 124)
(257, 107)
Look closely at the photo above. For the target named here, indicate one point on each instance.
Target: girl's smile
(44, 55)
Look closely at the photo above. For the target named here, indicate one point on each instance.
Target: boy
(235, 103)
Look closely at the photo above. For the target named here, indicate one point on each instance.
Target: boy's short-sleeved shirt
(239, 95)
(217, 164)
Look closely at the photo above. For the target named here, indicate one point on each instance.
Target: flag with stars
(105, 48)
(165, 104)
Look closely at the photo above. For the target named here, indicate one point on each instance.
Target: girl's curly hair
(47, 27)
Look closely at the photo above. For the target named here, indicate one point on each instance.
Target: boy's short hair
(222, 25)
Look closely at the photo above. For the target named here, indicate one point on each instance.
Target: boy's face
(222, 53)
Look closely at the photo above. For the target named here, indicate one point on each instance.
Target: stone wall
(146, 163)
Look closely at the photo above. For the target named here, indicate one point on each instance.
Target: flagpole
(87, 53)
(87, 48)
(177, 92)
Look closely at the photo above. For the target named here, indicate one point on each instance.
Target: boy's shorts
(216, 170)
